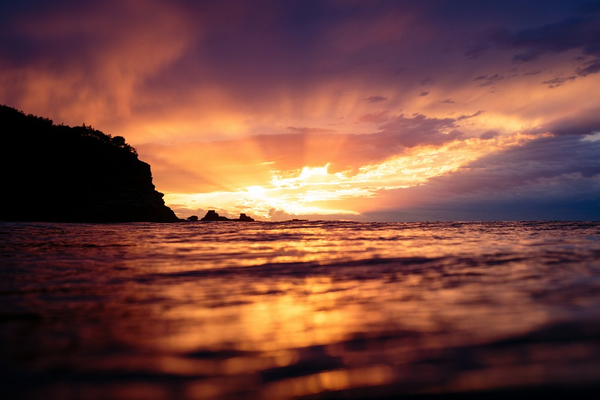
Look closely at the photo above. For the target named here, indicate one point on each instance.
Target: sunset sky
(361, 110)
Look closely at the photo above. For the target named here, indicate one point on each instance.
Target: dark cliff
(72, 174)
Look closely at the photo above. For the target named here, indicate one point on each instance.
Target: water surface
(298, 310)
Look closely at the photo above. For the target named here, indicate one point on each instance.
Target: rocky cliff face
(72, 174)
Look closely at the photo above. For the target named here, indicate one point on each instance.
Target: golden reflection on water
(331, 381)
(280, 311)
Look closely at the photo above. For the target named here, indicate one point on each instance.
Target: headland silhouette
(60, 173)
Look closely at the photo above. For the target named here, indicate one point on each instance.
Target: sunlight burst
(313, 190)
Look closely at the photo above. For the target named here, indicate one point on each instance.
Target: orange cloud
(91, 61)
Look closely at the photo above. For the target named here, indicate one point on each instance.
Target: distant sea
(313, 310)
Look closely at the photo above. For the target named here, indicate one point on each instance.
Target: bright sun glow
(308, 190)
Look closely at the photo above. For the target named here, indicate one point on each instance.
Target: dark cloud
(592, 67)
(548, 178)
(579, 32)
(487, 135)
(423, 94)
(537, 164)
(485, 80)
(478, 113)
(376, 99)
(523, 209)
(419, 130)
(447, 101)
(556, 82)
(583, 123)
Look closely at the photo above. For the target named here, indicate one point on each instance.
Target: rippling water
(298, 310)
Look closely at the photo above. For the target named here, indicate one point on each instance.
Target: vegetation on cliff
(59, 173)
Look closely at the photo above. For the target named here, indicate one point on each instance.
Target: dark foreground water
(299, 310)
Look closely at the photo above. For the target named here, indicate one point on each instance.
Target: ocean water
(312, 310)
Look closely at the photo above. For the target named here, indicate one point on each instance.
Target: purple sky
(368, 110)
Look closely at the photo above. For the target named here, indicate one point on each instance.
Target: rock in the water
(245, 218)
(212, 215)
(72, 174)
